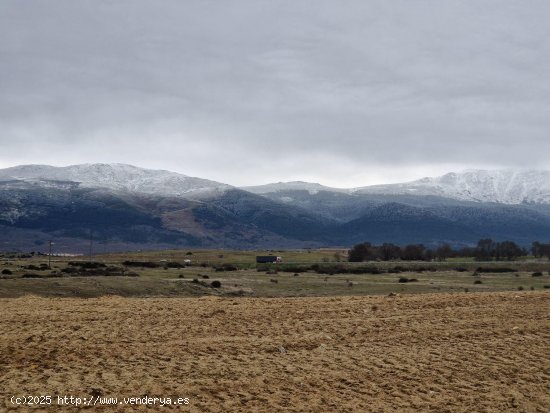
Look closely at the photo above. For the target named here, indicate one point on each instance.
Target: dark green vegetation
(485, 250)
(235, 273)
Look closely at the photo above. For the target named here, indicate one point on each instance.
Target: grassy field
(303, 273)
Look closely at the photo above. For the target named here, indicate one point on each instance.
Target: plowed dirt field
(482, 352)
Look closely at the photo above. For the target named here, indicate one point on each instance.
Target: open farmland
(303, 273)
(433, 352)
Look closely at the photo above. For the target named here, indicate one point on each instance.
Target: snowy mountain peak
(118, 177)
(506, 186)
(311, 187)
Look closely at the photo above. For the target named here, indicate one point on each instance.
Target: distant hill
(125, 207)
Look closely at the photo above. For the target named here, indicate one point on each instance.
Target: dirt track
(439, 353)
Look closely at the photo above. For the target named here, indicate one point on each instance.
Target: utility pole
(50, 256)
(91, 242)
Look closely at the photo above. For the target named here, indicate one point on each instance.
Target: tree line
(485, 250)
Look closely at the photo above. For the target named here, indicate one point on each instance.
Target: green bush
(145, 264)
(495, 269)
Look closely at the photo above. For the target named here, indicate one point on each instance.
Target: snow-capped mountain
(40, 203)
(312, 188)
(505, 186)
(117, 177)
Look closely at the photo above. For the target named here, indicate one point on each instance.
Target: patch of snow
(118, 177)
(507, 186)
(312, 188)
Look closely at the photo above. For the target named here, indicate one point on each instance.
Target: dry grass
(435, 352)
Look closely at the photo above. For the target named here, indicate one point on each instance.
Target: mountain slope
(311, 188)
(33, 212)
(116, 177)
(501, 186)
(403, 224)
(36, 215)
(126, 207)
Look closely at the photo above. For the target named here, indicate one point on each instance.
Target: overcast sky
(345, 93)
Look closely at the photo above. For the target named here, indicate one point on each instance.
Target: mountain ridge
(117, 176)
(506, 186)
(133, 208)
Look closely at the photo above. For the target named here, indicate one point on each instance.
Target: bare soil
(463, 352)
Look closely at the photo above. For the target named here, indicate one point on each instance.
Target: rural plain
(273, 339)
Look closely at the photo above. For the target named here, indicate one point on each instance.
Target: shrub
(274, 281)
(195, 280)
(546, 287)
(30, 275)
(98, 272)
(478, 282)
(520, 288)
(461, 269)
(536, 274)
(87, 264)
(216, 284)
(6, 272)
(364, 270)
(174, 264)
(342, 269)
(146, 264)
(205, 277)
(495, 269)
(227, 267)
(403, 280)
(289, 268)
(188, 253)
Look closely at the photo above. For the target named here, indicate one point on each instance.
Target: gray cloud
(251, 91)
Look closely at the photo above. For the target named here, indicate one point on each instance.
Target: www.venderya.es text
(45, 400)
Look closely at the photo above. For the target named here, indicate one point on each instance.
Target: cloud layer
(250, 91)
